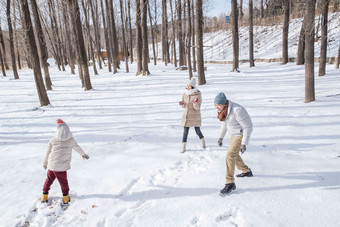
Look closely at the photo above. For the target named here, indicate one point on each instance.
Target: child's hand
(45, 167)
(181, 103)
(195, 100)
(85, 156)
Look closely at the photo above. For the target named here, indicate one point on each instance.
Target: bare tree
(139, 44)
(309, 65)
(164, 32)
(70, 51)
(240, 9)
(3, 68)
(114, 36)
(130, 32)
(11, 44)
(234, 29)
(285, 33)
(152, 36)
(88, 31)
(74, 9)
(261, 9)
(95, 21)
(193, 38)
(173, 35)
(106, 36)
(199, 38)
(42, 44)
(124, 40)
(189, 39)
(27, 25)
(251, 35)
(300, 58)
(145, 38)
(2, 42)
(324, 28)
(338, 59)
(16, 44)
(179, 32)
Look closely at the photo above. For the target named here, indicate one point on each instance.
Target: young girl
(191, 102)
(58, 159)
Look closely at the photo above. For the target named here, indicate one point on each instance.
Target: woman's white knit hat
(192, 82)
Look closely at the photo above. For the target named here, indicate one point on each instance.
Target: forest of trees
(107, 33)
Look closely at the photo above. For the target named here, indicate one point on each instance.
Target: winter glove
(220, 142)
(85, 156)
(181, 103)
(45, 166)
(243, 148)
(195, 100)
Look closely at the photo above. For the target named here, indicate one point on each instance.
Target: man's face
(219, 107)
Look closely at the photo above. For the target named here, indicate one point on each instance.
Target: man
(235, 119)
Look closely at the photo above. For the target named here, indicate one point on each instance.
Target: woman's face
(189, 87)
(219, 107)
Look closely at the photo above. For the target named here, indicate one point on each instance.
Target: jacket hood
(63, 132)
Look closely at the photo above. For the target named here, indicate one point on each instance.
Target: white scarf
(191, 91)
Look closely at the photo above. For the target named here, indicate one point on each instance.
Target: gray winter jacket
(237, 122)
(59, 153)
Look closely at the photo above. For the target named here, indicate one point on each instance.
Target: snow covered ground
(131, 128)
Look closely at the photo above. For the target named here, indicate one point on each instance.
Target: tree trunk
(179, 30)
(234, 28)
(106, 35)
(251, 35)
(74, 7)
(317, 30)
(285, 33)
(114, 36)
(95, 22)
(309, 65)
(28, 28)
(124, 40)
(16, 36)
(2, 42)
(138, 39)
(193, 38)
(199, 37)
(88, 31)
(240, 11)
(113, 57)
(173, 35)
(338, 60)
(130, 31)
(323, 50)
(153, 37)
(11, 44)
(145, 37)
(300, 58)
(3, 68)
(261, 9)
(42, 44)
(189, 39)
(164, 33)
(70, 51)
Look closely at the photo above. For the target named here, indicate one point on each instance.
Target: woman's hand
(181, 103)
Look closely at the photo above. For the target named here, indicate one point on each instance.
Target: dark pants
(186, 132)
(61, 177)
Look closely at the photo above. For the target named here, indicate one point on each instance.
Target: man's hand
(85, 156)
(243, 148)
(220, 142)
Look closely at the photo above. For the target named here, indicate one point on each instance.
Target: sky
(219, 6)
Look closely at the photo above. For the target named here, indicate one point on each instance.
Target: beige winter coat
(59, 153)
(192, 113)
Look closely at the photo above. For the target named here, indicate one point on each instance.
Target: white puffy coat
(237, 123)
(59, 153)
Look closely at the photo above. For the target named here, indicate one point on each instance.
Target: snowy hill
(131, 129)
(268, 41)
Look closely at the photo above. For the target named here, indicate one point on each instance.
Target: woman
(191, 102)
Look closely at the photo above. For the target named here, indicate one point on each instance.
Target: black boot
(247, 174)
(228, 188)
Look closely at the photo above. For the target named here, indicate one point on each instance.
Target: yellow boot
(44, 198)
(66, 199)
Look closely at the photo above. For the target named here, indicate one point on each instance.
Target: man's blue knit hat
(220, 98)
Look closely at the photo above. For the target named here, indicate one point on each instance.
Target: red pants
(61, 177)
